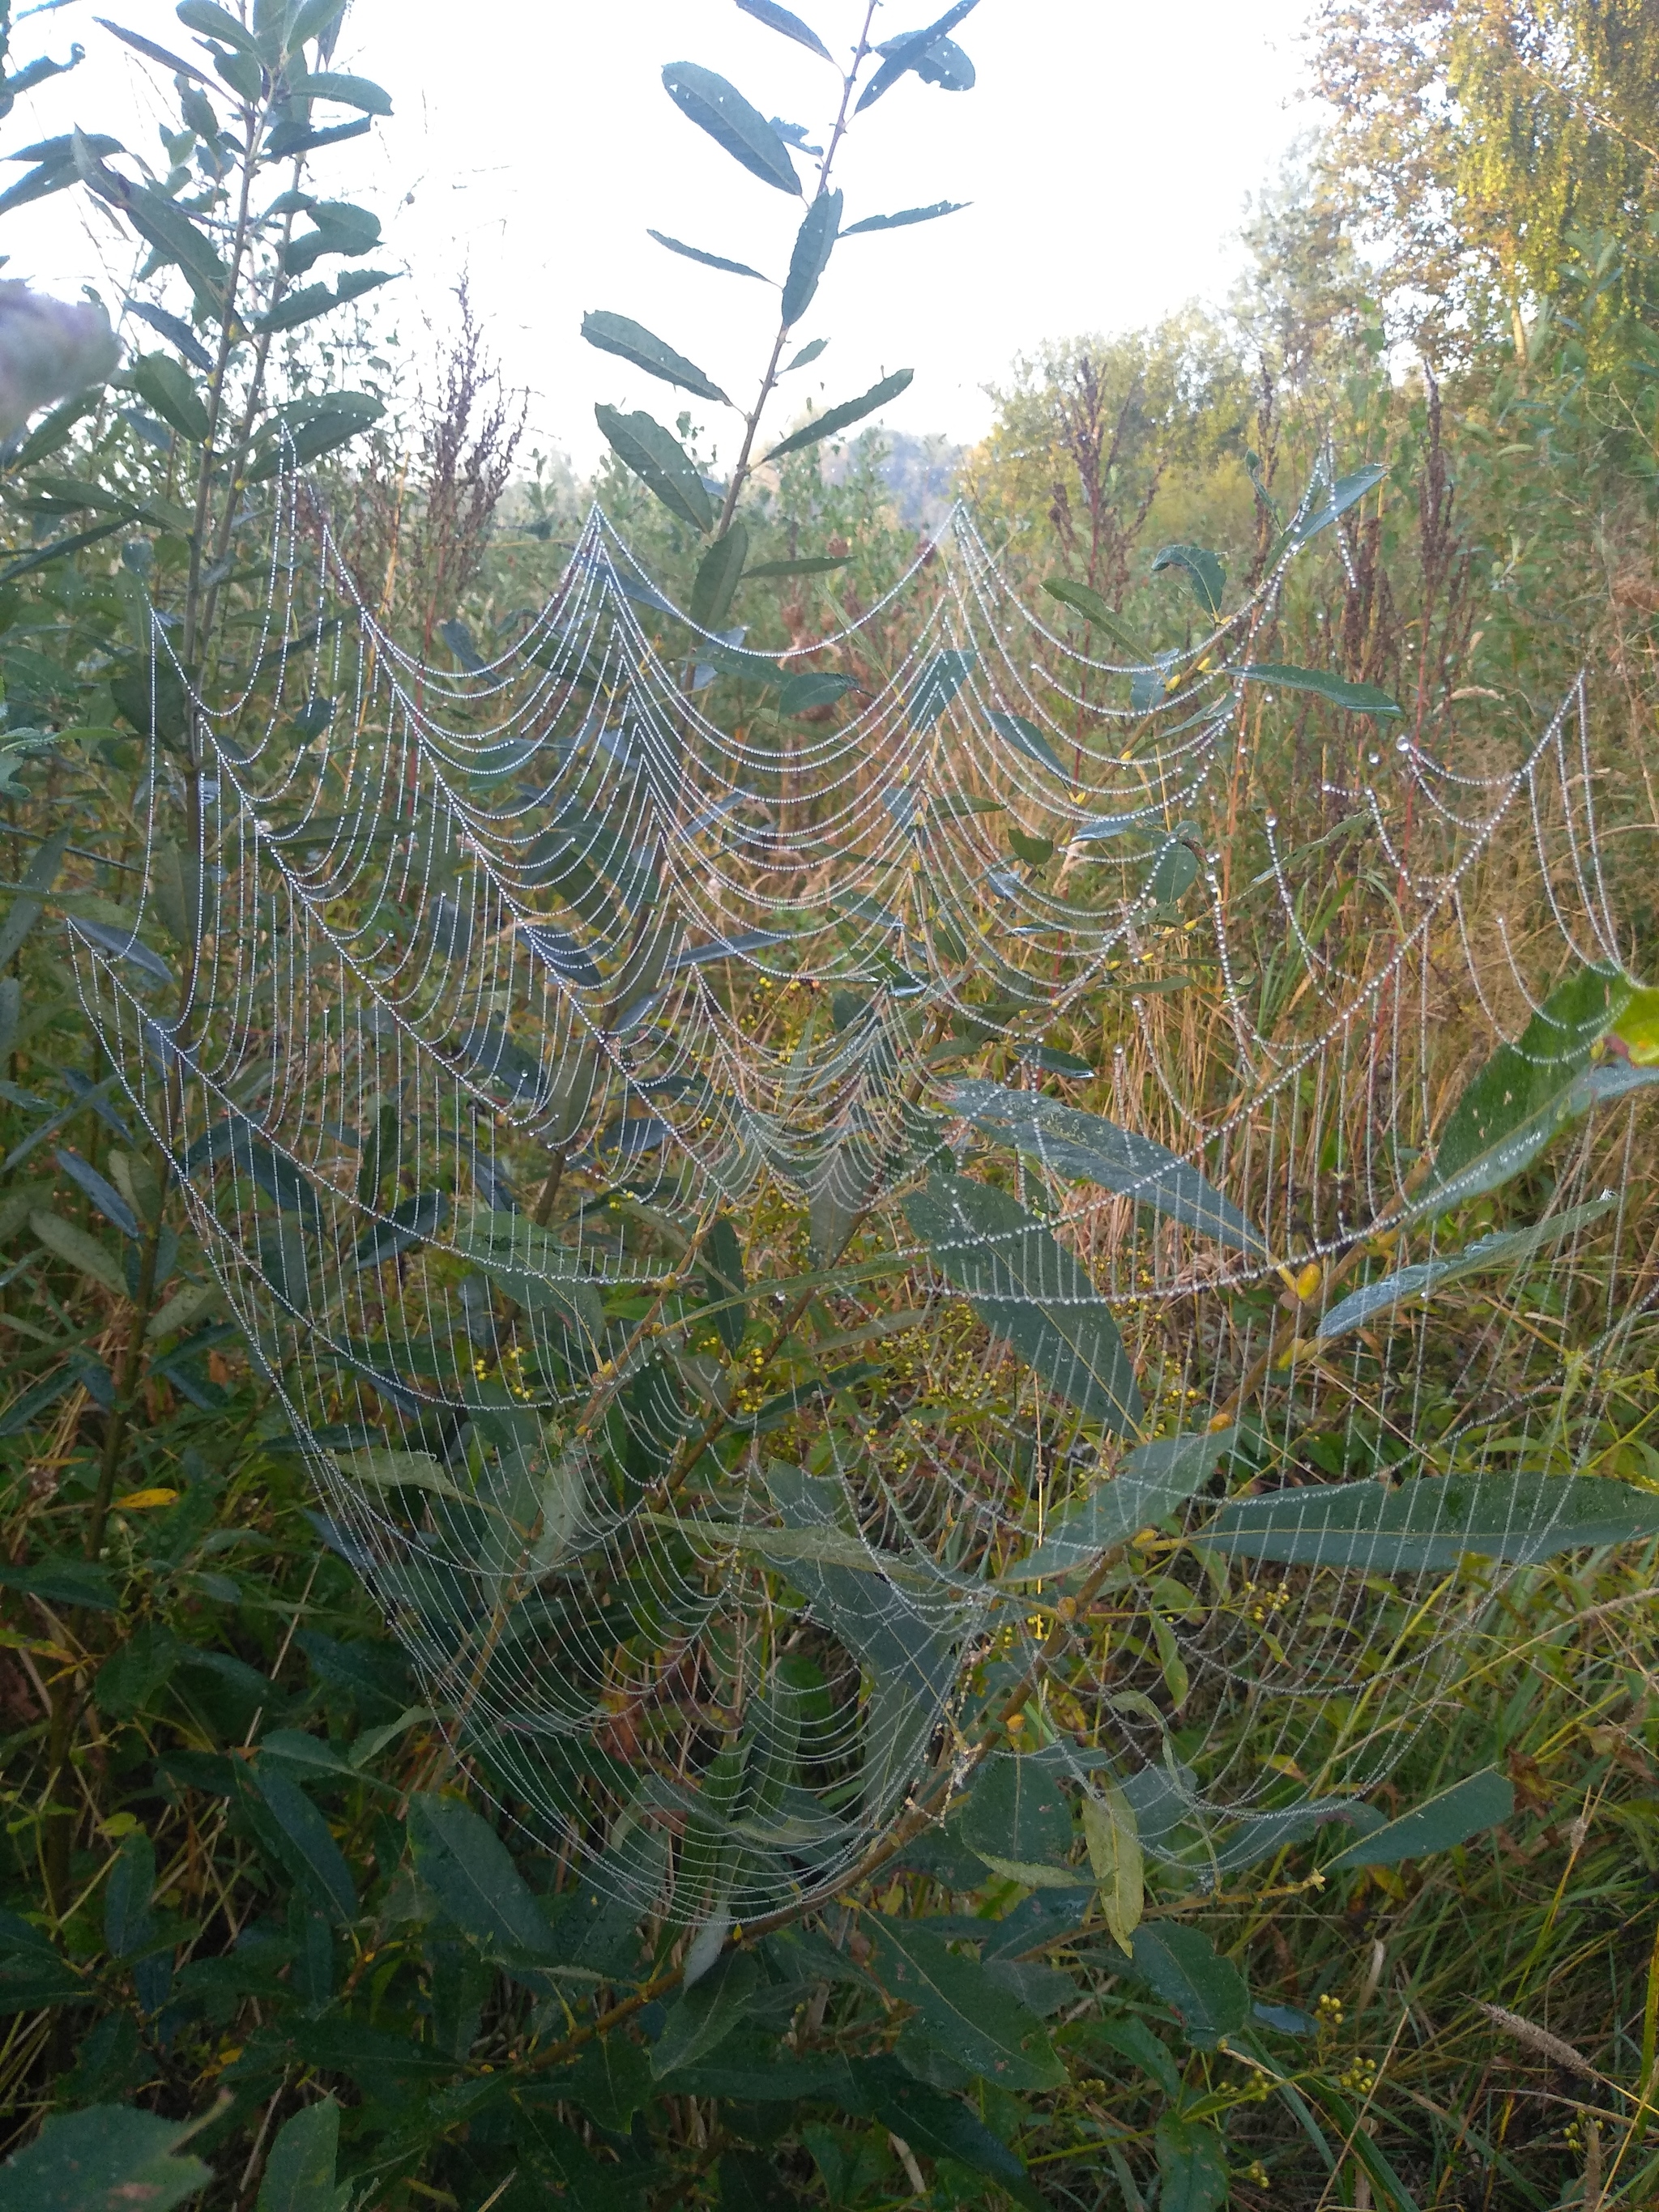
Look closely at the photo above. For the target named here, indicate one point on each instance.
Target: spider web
(491, 966)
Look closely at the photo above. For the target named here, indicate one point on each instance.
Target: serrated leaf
(1353, 698)
(1083, 1147)
(801, 694)
(1479, 1801)
(969, 2015)
(1154, 1481)
(660, 462)
(1504, 1248)
(790, 25)
(619, 334)
(1182, 1966)
(719, 573)
(905, 217)
(107, 2158)
(815, 242)
(1094, 609)
(849, 411)
(1203, 571)
(938, 685)
(300, 2172)
(1030, 1291)
(708, 260)
(720, 109)
(469, 1870)
(1192, 2165)
(1429, 1523)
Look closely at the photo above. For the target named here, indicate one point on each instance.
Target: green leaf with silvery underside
(620, 334)
(1154, 1481)
(1029, 1290)
(906, 216)
(720, 109)
(1479, 1801)
(1430, 1523)
(105, 2157)
(1183, 1966)
(660, 462)
(1203, 571)
(1353, 698)
(970, 2015)
(1083, 1147)
(814, 243)
(849, 411)
(300, 2172)
(1503, 1250)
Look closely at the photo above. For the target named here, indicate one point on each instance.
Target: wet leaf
(1353, 698)
(1202, 570)
(660, 462)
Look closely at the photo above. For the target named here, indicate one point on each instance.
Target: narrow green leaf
(27, 908)
(313, 299)
(300, 2172)
(1112, 1835)
(719, 573)
(970, 2016)
(1202, 570)
(101, 2159)
(464, 1864)
(216, 23)
(1345, 493)
(1192, 2164)
(313, 1852)
(708, 260)
(721, 1255)
(1353, 698)
(720, 109)
(617, 334)
(804, 564)
(1479, 1801)
(1182, 1966)
(1025, 738)
(801, 694)
(1031, 1291)
(938, 685)
(165, 384)
(815, 242)
(849, 411)
(83, 1253)
(1429, 1523)
(779, 18)
(1083, 1147)
(943, 2127)
(1154, 1481)
(906, 216)
(808, 353)
(1094, 609)
(345, 91)
(1503, 1250)
(904, 54)
(660, 462)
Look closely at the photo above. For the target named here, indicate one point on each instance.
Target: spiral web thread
(462, 934)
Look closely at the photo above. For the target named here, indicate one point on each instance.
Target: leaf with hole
(1431, 1523)
(1479, 1801)
(849, 411)
(660, 462)
(720, 109)
(1085, 1148)
(103, 2157)
(905, 217)
(1203, 572)
(909, 53)
(1030, 1291)
(620, 335)
(1353, 698)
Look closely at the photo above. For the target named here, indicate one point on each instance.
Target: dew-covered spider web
(560, 1031)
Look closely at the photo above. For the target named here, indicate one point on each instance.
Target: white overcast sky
(1108, 150)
